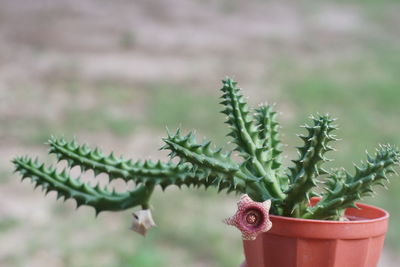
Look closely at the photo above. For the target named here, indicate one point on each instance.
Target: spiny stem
(344, 189)
(268, 131)
(199, 154)
(140, 172)
(244, 132)
(100, 199)
(245, 135)
(307, 167)
(203, 157)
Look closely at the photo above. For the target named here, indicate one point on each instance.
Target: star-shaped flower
(251, 218)
(142, 221)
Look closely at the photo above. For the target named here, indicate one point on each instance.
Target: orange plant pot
(294, 242)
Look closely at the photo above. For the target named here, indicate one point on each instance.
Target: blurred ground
(116, 73)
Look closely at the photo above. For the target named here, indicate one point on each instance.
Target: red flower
(251, 218)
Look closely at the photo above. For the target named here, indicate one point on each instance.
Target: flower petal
(251, 217)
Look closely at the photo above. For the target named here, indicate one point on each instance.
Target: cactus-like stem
(246, 136)
(100, 199)
(243, 130)
(344, 189)
(271, 148)
(203, 157)
(217, 164)
(308, 167)
(140, 172)
(145, 174)
(268, 131)
(186, 148)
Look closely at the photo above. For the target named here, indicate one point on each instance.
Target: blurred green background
(114, 74)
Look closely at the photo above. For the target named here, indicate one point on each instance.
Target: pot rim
(385, 215)
(373, 222)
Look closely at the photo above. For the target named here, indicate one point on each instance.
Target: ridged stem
(245, 135)
(307, 167)
(84, 194)
(344, 189)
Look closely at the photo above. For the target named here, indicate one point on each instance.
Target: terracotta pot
(293, 242)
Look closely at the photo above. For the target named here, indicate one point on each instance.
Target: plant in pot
(303, 215)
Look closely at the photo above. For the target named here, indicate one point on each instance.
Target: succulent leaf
(344, 189)
(100, 199)
(303, 176)
(200, 155)
(243, 129)
(268, 127)
(246, 136)
(140, 172)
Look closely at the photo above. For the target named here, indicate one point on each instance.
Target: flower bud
(142, 221)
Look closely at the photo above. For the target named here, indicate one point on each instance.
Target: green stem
(271, 183)
(146, 199)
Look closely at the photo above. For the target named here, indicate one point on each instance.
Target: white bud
(142, 221)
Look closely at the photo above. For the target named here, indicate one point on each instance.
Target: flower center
(253, 217)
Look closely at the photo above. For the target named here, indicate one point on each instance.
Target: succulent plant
(260, 174)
